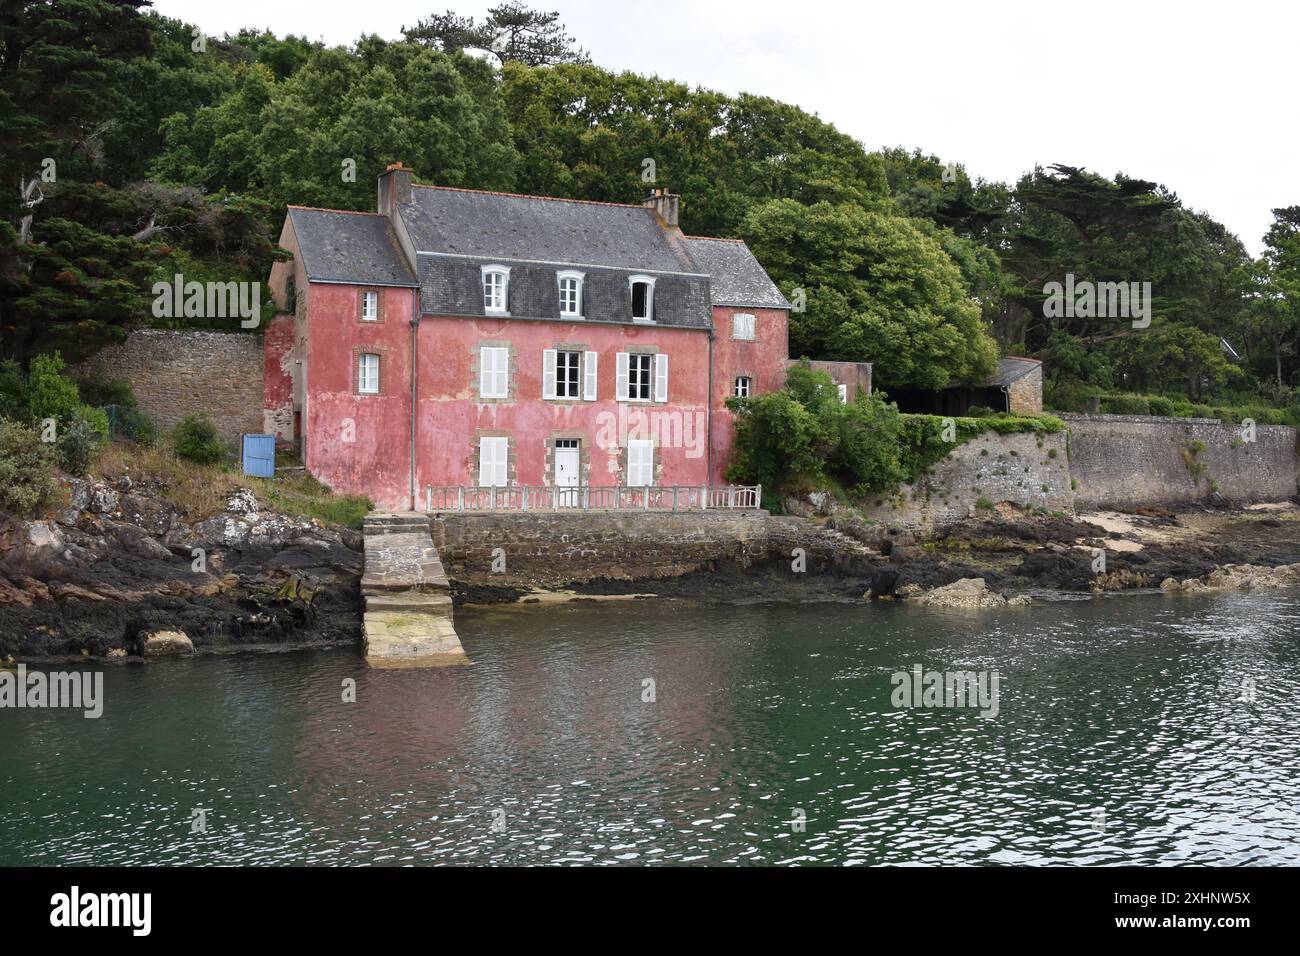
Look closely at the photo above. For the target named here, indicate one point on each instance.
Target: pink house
(458, 338)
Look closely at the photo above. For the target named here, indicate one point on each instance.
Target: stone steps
(408, 607)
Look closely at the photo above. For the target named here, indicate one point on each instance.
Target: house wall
(358, 444)
(452, 417)
(764, 359)
(277, 378)
(856, 375)
(1025, 394)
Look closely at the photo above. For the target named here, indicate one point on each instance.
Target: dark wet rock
(93, 582)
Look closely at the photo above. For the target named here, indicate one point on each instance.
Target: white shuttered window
(640, 462)
(492, 454)
(493, 372)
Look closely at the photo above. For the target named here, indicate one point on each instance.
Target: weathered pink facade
(361, 437)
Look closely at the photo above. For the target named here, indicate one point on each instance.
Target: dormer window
(496, 290)
(570, 294)
(643, 298)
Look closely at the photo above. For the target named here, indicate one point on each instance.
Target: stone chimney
(665, 205)
(394, 188)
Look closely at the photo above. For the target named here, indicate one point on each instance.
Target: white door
(566, 471)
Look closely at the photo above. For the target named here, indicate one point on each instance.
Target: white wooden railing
(593, 498)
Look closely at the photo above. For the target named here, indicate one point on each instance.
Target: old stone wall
(1027, 470)
(1025, 394)
(1127, 460)
(174, 373)
(551, 549)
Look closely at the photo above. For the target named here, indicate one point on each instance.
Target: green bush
(197, 440)
(803, 436)
(79, 441)
(1161, 406)
(1125, 405)
(50, 394)
(13, 391)
(27, 483)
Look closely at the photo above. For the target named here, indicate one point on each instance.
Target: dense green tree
(878, 289)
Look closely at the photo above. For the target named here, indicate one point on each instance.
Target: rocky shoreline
(119, 564)
(120, 573)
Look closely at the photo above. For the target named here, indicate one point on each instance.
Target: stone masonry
(174, 373)
(408, 612)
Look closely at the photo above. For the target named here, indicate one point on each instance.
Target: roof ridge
(346, 212)
(495, 192)
(713, 238)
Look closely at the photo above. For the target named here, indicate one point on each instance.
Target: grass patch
(200, 491)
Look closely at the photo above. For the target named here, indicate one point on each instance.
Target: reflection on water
(1127, 732)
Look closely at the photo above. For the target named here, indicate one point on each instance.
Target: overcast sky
(1200, 97)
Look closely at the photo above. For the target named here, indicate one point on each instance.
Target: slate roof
(458, 231)
(455, 232)
(353, 247)
(1011, 369)
(491, 226)
(737, 278)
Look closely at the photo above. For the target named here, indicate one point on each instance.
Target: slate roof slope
(737, 278)
(1011, 369)
(352, 247)
(490, 226)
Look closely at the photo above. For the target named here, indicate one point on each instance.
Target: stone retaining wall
(174, 373)
(1027, 470)
(1129, 460)
(549, 549)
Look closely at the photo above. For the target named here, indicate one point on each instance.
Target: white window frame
(551, 375)
(493, 461)
(623, 383)
(576, 277)
(649, 298)
(640, 463)
(504, 273)
(743, 326)
(369, 298)
(748, 386)
(493, 371)
(362, 378)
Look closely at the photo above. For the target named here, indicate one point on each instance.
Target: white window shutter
(620, 390)
(485, 359)
(548, 373)
(502, 370)
(492, 462)
(589, 376)
(640, 463)
(661, 377)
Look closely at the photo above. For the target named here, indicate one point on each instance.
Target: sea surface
(1125, 730)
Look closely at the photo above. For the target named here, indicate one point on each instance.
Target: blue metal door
(259, 456)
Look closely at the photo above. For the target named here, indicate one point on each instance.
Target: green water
(544, 751)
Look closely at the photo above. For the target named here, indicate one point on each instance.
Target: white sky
(1199, 96)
